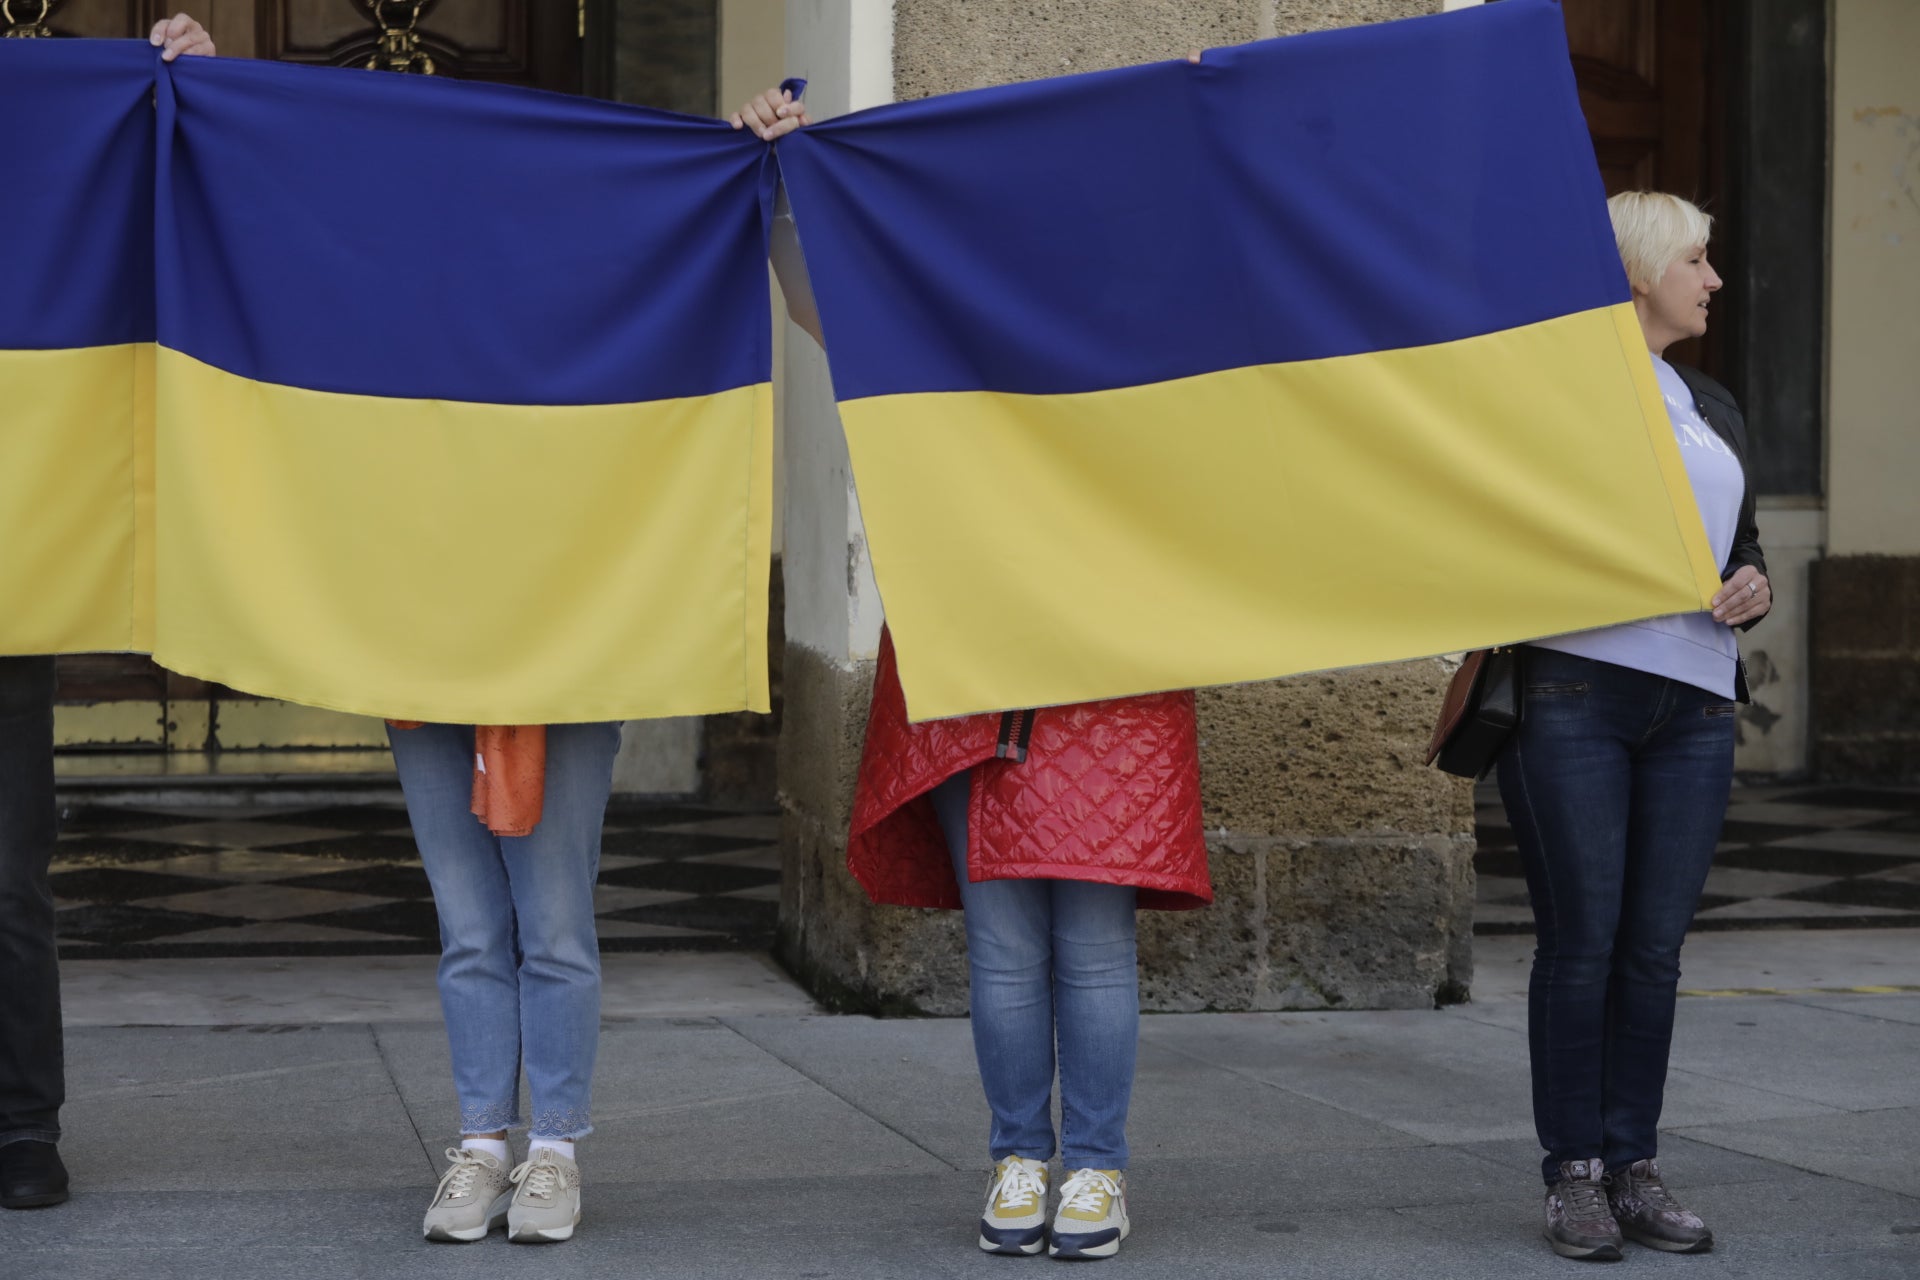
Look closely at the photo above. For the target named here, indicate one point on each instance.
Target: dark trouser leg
(1566, 781)
(32, 1083)
(1682, 776)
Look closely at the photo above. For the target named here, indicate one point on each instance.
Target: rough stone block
(1338, 753)
(1374, 923)
(940, 46)
(824, 725)
(1212, 958)
(1291, 17)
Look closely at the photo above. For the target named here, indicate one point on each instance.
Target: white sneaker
(546, 1199)
(1092, 1220)
(1015, 1219)
(471, 1199)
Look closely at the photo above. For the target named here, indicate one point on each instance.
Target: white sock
(495, 1147)
(559, 1146)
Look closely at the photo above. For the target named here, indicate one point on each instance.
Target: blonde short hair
(1654, 230)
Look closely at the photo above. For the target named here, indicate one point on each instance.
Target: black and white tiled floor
(1794, 857)
(346, 880)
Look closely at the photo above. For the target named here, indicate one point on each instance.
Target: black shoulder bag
(1481, 708)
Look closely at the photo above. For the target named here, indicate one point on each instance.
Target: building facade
(1344, 867)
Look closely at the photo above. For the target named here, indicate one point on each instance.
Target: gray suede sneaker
(546, 1199)
(1579, 1223)
(471, 1199)
(1648, 1215)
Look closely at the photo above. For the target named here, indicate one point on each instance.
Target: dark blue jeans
(32, 1085)
(1616, 783)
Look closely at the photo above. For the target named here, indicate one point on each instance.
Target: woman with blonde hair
(1616, 782)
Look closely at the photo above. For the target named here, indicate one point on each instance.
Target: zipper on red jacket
(1016, 733)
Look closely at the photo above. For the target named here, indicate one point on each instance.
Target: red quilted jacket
(1109, 791)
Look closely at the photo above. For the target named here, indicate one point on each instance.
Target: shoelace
(458, 1182)
(1088, 1191)
(1654, 1193)
(1585, 1201)
(539, 1177)
(1019, 1187)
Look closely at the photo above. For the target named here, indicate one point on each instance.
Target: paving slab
(670, 1091)
(918, 1077)
(1188, 1107)
(777, 1141)
(1283, 1181)
(312, 989)
(1437, 1076)
(798, 1229)
(260, 1109)
(1894, 1008)
(1878, 1148)
(1735, 960)
(675, 1091)
(1793, 1049)
(1793, 1227)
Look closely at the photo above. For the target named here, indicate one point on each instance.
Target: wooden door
(1652, 86)
(525, 42)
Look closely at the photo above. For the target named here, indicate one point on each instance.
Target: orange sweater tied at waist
(509, 775)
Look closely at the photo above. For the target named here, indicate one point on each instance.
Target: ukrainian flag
(464, 398)
(1315, 354)
(76, 346)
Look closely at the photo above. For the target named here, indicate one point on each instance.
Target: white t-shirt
(1690, 647)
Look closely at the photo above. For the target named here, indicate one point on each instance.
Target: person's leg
(32, 1070)
(1010, 965)
(1096, 1002)
(479, 991)
(1010, 968)
(1565, 778)
(552, 872)
(1682, 776)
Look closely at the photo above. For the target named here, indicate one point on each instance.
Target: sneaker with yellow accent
(1015, 1219)
(471, 1199)
(546, 1199)
(1092, 1220)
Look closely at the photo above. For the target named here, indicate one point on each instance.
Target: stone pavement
(284, 1117)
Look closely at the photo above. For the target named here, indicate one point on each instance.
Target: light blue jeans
(1051, 961)
(519, 957)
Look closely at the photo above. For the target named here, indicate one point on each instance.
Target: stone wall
(1343, 867)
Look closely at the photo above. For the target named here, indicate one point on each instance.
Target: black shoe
(31, 1175)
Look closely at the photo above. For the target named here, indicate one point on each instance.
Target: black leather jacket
(1717, 406)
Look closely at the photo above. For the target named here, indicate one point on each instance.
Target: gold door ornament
(25, 18)
(399, 48)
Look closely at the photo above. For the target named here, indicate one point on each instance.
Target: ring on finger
(1753, 588)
